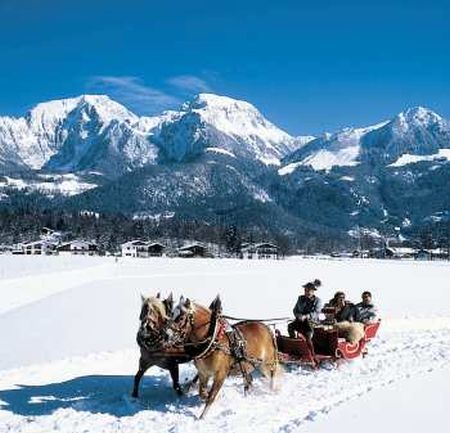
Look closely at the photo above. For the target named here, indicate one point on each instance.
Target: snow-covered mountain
(93, 132)
(416, 131)
(90, 132)
(212, 121)
(220, 156)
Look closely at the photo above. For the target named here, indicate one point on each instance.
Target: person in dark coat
(344, 311)
(306, 311)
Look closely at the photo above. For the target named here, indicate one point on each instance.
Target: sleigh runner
(328, 346)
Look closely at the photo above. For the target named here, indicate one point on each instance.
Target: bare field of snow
(67, 327)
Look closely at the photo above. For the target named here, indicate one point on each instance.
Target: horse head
(181, 320)
(154, 314)
(192, 322)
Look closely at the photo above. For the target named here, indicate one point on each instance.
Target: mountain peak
(211, 100)
(416, 116)
(107, 108)
(49, 113)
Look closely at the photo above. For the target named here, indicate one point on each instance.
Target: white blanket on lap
(351, 331)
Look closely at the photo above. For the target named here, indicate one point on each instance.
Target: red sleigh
(328, 346)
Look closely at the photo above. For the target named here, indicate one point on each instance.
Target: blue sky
(309, 66)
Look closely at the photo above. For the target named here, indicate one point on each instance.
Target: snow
(261, 195)
(81, 312)
(66, 184)
(341, 149)
(235, 117)
(289, 168)
(85, 121)
(241, 120)
(405, 159)
(326, 160)
(221, 151)
(415, 117)
(411, 400)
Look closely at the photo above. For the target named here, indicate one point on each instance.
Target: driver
(306, 311)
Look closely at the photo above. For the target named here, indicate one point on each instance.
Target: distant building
(361, 254)
(263, 250)
(381, 253)
(134, 248)
(441, 253)
(194, 250)
(155, 249)
(423, 254)
(5, 249)
(78, 248)
(89, 214)
(40, 247)
(403, 252)
(139, 248)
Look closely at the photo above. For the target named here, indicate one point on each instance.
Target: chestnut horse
(212, 343)
(152, 340)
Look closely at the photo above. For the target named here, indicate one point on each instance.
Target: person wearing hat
(306, 312)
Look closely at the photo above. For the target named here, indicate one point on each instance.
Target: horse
(152, 341)
(219, 349)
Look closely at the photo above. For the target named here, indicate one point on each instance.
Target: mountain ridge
(217, 156)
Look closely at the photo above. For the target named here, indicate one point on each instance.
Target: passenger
(306, 311)
(345, 311)
(366, 310)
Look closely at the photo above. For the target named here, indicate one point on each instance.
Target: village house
(39, 247)
(139, 248)
(78, 248)
(263, 250)
(194, 250)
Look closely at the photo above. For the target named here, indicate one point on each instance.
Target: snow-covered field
(67, 352)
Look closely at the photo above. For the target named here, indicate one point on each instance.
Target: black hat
(310, 286)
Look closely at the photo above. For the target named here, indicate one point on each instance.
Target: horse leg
(247, 376)
(203, 386)
(175, 375)
(275, 372)
(143, 367)
(217, 384)
(191, 383)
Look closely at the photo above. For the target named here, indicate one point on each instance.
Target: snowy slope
(340, 149)
(82, 383)
(417, 131)
(64, 184)
(406, 158)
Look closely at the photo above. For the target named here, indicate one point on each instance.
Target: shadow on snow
(95, 394)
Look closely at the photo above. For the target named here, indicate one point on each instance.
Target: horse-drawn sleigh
(169, 336)
(328, 346)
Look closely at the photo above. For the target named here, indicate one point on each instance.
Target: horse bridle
(178, 332)
(150, 335)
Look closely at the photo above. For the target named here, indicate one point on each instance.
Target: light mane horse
(202, 334)
(152, 340)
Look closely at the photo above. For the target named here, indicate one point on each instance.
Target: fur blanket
(351, 331)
